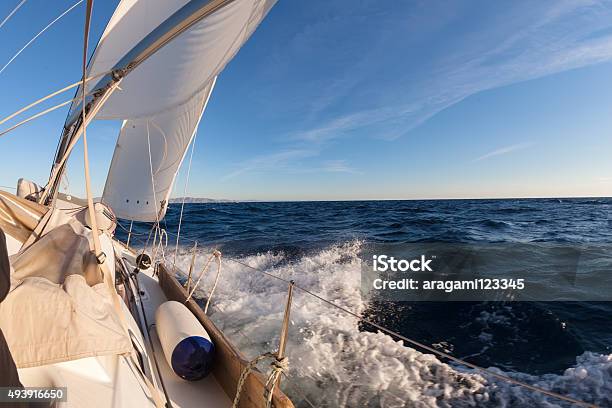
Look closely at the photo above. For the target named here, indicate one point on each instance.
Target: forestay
(162, 100)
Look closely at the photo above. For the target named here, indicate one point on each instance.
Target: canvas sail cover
(18, 216)
(59, 308)
(162, 100)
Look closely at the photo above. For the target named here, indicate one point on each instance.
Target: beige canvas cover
(18, 216)
(59, 308)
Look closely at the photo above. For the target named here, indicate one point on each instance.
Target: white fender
(187, 346)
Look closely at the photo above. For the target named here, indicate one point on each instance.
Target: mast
(173, 26)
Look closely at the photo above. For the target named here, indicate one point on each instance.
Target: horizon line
(392, 199)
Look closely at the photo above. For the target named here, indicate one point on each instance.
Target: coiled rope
(424, 346)
(279, 366)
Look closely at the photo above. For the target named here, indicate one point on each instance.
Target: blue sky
(362, 100)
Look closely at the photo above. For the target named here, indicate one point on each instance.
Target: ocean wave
(516, 210)
(335, 363)
(494, 224)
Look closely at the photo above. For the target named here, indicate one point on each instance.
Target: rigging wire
(123, 227)
(35, 116)
(39, 34)
(7, 18)
(178, 232)
(51, 95)
(48, 110)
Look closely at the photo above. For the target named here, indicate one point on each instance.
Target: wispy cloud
(385, 82)
(339, 166)
(372, 70)
(296, 161)
(274, 161)
(504, 150)
(344, 124)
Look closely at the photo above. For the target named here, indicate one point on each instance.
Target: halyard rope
(90, 204)
(424, 346)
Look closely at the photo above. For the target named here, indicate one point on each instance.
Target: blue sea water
(313, 241)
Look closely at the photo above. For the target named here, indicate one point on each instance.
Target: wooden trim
(229, 360)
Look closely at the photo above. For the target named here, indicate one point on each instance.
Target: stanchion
(285, 329)
(193, 255)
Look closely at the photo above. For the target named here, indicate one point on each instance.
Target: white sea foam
(335, 364)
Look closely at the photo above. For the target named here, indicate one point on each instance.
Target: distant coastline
(200, 200)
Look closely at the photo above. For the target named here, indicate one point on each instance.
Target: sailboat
(91, 319)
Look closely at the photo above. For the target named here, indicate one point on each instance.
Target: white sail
(165, 94)
(137, 183)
